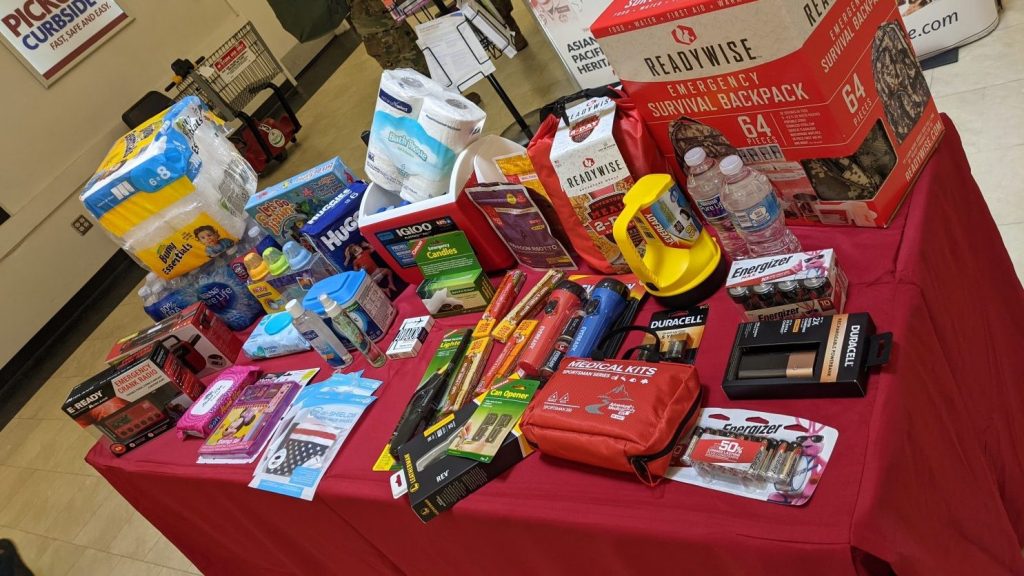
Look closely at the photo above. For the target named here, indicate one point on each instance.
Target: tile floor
(65, 519)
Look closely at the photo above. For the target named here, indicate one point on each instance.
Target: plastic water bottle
(755, 210)
(319, 336)
(706, 185)
(162, 299)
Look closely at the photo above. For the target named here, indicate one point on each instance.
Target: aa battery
(765, 295)
(561, 346)
(789, 292)
(817, 287)
(743, 296)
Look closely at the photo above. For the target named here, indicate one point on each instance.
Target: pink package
(206, 412)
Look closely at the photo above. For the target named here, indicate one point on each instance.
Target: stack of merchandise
(418, 130)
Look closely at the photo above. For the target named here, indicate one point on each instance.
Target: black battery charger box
(819, 357)
(438, 480)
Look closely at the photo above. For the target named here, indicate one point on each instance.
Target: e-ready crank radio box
(136, 399)
(824, 97)
(200, 340)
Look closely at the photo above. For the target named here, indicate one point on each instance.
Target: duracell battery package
(680, 332)
(819, 357)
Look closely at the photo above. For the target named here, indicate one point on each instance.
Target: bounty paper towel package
(418, 130)
(172, 192)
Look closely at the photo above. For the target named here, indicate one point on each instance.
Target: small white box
(411, 336)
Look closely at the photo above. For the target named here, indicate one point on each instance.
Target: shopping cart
(228, 80)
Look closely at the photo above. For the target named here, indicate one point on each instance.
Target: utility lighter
(566, 300)
(607, 301)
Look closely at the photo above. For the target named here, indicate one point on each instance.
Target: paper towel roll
(399, 101)
(448, 123)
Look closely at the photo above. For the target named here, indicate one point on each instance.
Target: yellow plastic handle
(640, 196)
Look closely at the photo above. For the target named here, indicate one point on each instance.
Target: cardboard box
(135, 400)
(788, 286)
(453, 282)
(825, 98)
(196, 336)
(410, 338)
(285, 207)
(437, 480)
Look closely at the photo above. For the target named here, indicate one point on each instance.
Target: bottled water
(751, 201)
(161, 299)
(706, 185)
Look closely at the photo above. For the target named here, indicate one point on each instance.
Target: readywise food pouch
(520, 223)
(587, 160)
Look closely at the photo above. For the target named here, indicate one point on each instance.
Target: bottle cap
(297, 254)
(255, 232)
(276, 261)
(731, 165)
(256, 267)
(329, 304)
(695, 156)
(276, 323)
(294, 308)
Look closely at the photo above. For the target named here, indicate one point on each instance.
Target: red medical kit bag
(624, 415)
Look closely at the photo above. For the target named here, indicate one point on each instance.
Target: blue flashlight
(607, 301)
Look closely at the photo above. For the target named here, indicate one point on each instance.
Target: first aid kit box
(825, 98)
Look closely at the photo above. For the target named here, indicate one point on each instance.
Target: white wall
(53, 140)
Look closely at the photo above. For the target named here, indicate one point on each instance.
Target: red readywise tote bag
(588, 156)
(625, 415)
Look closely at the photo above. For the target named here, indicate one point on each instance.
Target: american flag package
(311, 434)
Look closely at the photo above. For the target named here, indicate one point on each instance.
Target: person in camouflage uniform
(393, 44)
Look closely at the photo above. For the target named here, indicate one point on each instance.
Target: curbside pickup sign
(50, 36)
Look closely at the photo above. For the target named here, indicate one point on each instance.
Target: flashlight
(566, 300)
(607, 302)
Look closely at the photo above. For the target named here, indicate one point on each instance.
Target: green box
(454, 282)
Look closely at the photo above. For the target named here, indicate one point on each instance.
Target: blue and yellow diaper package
(172, 192)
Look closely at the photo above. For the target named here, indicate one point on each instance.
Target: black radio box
(138, 398)
(816, 357)
(437, 480)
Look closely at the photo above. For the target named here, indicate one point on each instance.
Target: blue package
(219, 288)
(368, 306)
(274, 336)
(285, 207)
(334, 232)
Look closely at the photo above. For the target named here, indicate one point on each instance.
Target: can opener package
(758, 455)
(206, 413)
(172, 192)
(624, 415)
(587, 158)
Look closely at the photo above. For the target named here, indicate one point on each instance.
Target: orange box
(824, 97)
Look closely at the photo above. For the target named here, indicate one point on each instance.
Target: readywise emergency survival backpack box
(824, 97)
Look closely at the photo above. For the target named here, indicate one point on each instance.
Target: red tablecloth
(927, 476)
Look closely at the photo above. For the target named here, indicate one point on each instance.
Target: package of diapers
(172, 192)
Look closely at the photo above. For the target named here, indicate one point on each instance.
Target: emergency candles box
(136, 399)
(453, 281)
(200, 340)
(285, 207)
(825, 98)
